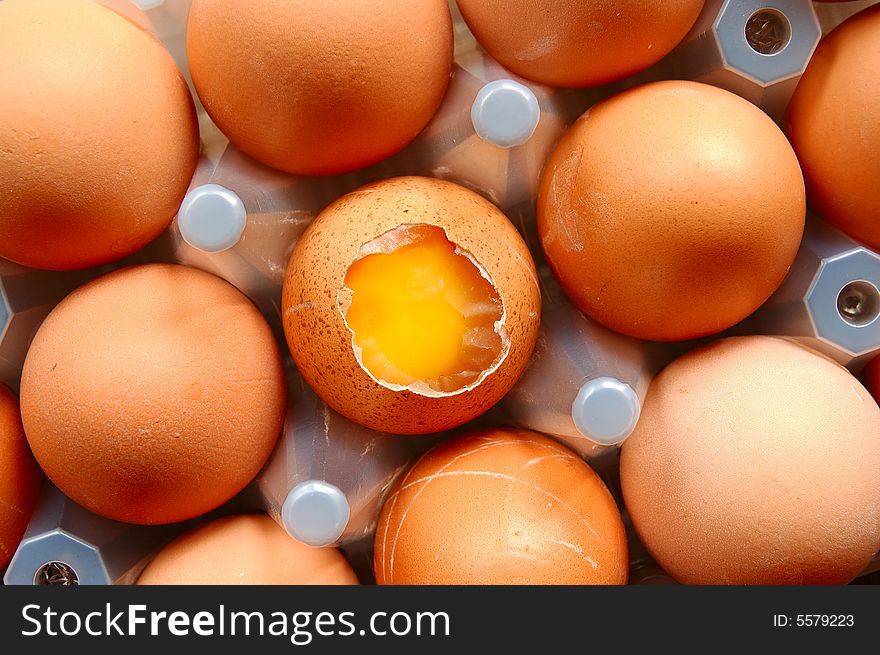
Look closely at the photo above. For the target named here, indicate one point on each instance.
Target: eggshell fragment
(834, 126)
(671, 211)
(98, 135)
(500, 507)
(245, 550)
(320, 87)
(382, 218)
(756, 461)
(153, 394)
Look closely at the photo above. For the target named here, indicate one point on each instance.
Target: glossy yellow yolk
(423, 312)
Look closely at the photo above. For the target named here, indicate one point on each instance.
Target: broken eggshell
(322, 342)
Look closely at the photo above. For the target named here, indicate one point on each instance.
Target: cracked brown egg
(250, 549)
(500, 507)
(411, 305)
(20, 477)
(153, 394)
(98, 135)
(671, 211)
(578, 43)
(756, 461)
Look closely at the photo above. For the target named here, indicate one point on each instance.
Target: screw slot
(56, 574)
(859, 303)
(768, 32)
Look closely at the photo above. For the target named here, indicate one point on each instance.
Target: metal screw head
(859, 303)
(768, 32)
(56, 574)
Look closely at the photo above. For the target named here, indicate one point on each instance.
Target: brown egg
(20, 477)
(98, 135)
(756, 461)
(872, 378)
(411, 305)
(500, 507)
(245, 550)
(319, 87)
(834, 126)
(671, 211)
(572, 43)
(153, 394)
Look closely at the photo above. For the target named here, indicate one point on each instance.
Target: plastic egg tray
(585, 385)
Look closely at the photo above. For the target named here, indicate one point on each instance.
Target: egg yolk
(423, 312)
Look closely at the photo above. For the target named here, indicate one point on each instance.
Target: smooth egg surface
(834, 125)
(671, 211)
(320, 87)
(20, 477)
(250, 549)
(98, 135)
(153, 394)
(756, 461)
(577, 43)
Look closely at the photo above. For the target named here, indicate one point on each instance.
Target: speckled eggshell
(671, 211)
(500, 507)
(834, 126)
(578, 43)
(98, 135)
(320, 340)
(245, 550)
(153, 394)
(20, 477)
(320, 87)
(756, 461)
